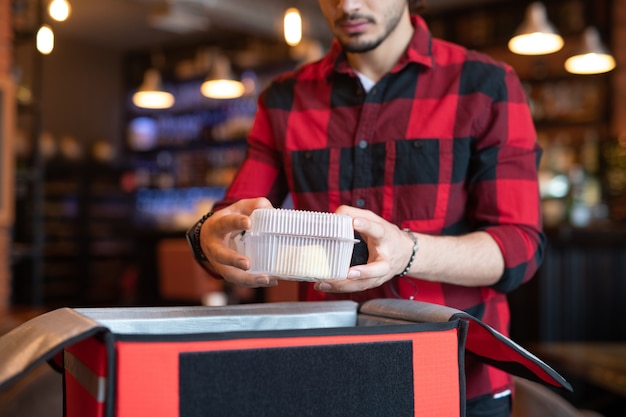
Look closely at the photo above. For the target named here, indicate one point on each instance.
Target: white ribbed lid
(302, 223)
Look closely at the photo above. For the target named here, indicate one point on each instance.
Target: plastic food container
(299, 245)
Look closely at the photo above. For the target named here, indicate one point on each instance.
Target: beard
(361, 47)
(353, 43)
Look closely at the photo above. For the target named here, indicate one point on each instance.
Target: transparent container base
(299, 245)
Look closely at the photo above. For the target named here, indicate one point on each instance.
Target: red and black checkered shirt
(443, 144)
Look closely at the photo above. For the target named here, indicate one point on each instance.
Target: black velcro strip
(368, 379)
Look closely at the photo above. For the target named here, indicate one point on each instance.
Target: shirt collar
(419, 50)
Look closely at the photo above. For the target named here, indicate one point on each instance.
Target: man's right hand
(217, 242)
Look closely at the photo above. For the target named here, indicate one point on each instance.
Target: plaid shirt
(443, 144)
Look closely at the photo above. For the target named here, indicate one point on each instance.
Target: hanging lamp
(593, 57)
(221, 84)
(150, 95)
(536, 35)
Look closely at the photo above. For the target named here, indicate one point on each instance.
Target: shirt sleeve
(504, 183)
(261, 174)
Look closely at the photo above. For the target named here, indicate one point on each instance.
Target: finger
(224, 223)
(236, 216)
(234, 267)
(356, 212)
(245, 279)
(364, 221)
(223, 255)
(248, 205)
(347, 286)
(372, 270)
(372, 229)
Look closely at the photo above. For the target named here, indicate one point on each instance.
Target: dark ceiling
(131, 24)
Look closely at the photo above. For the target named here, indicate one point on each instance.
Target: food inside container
(299, 245)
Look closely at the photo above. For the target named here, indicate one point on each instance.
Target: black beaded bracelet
(415, 248)
(193, 238)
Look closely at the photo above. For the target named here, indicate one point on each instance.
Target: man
(429, 147)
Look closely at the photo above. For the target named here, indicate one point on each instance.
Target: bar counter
(602, 364)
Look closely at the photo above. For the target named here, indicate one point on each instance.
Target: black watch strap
(193, 238)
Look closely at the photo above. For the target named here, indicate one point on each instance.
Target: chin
(360, 47)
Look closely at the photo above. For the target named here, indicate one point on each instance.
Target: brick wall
(6, 37)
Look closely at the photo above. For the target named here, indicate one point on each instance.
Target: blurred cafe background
(114, 139)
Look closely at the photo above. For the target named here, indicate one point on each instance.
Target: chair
(536, 400)
(181, 278)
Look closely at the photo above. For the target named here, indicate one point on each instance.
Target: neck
(377, 62)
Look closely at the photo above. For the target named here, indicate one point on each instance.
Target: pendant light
(593, 57)
(536, 35)
(59, 10)
(220, 84)
(45, 39)
(150, 94)
(292, 26)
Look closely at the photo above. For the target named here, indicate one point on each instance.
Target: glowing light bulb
(59, 10)
(293, 26)
(45, 39)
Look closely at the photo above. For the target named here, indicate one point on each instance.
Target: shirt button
(362, 144)
(360, 202)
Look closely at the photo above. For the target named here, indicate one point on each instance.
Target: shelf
(84, 211)
(21, 252)
(189, 146)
